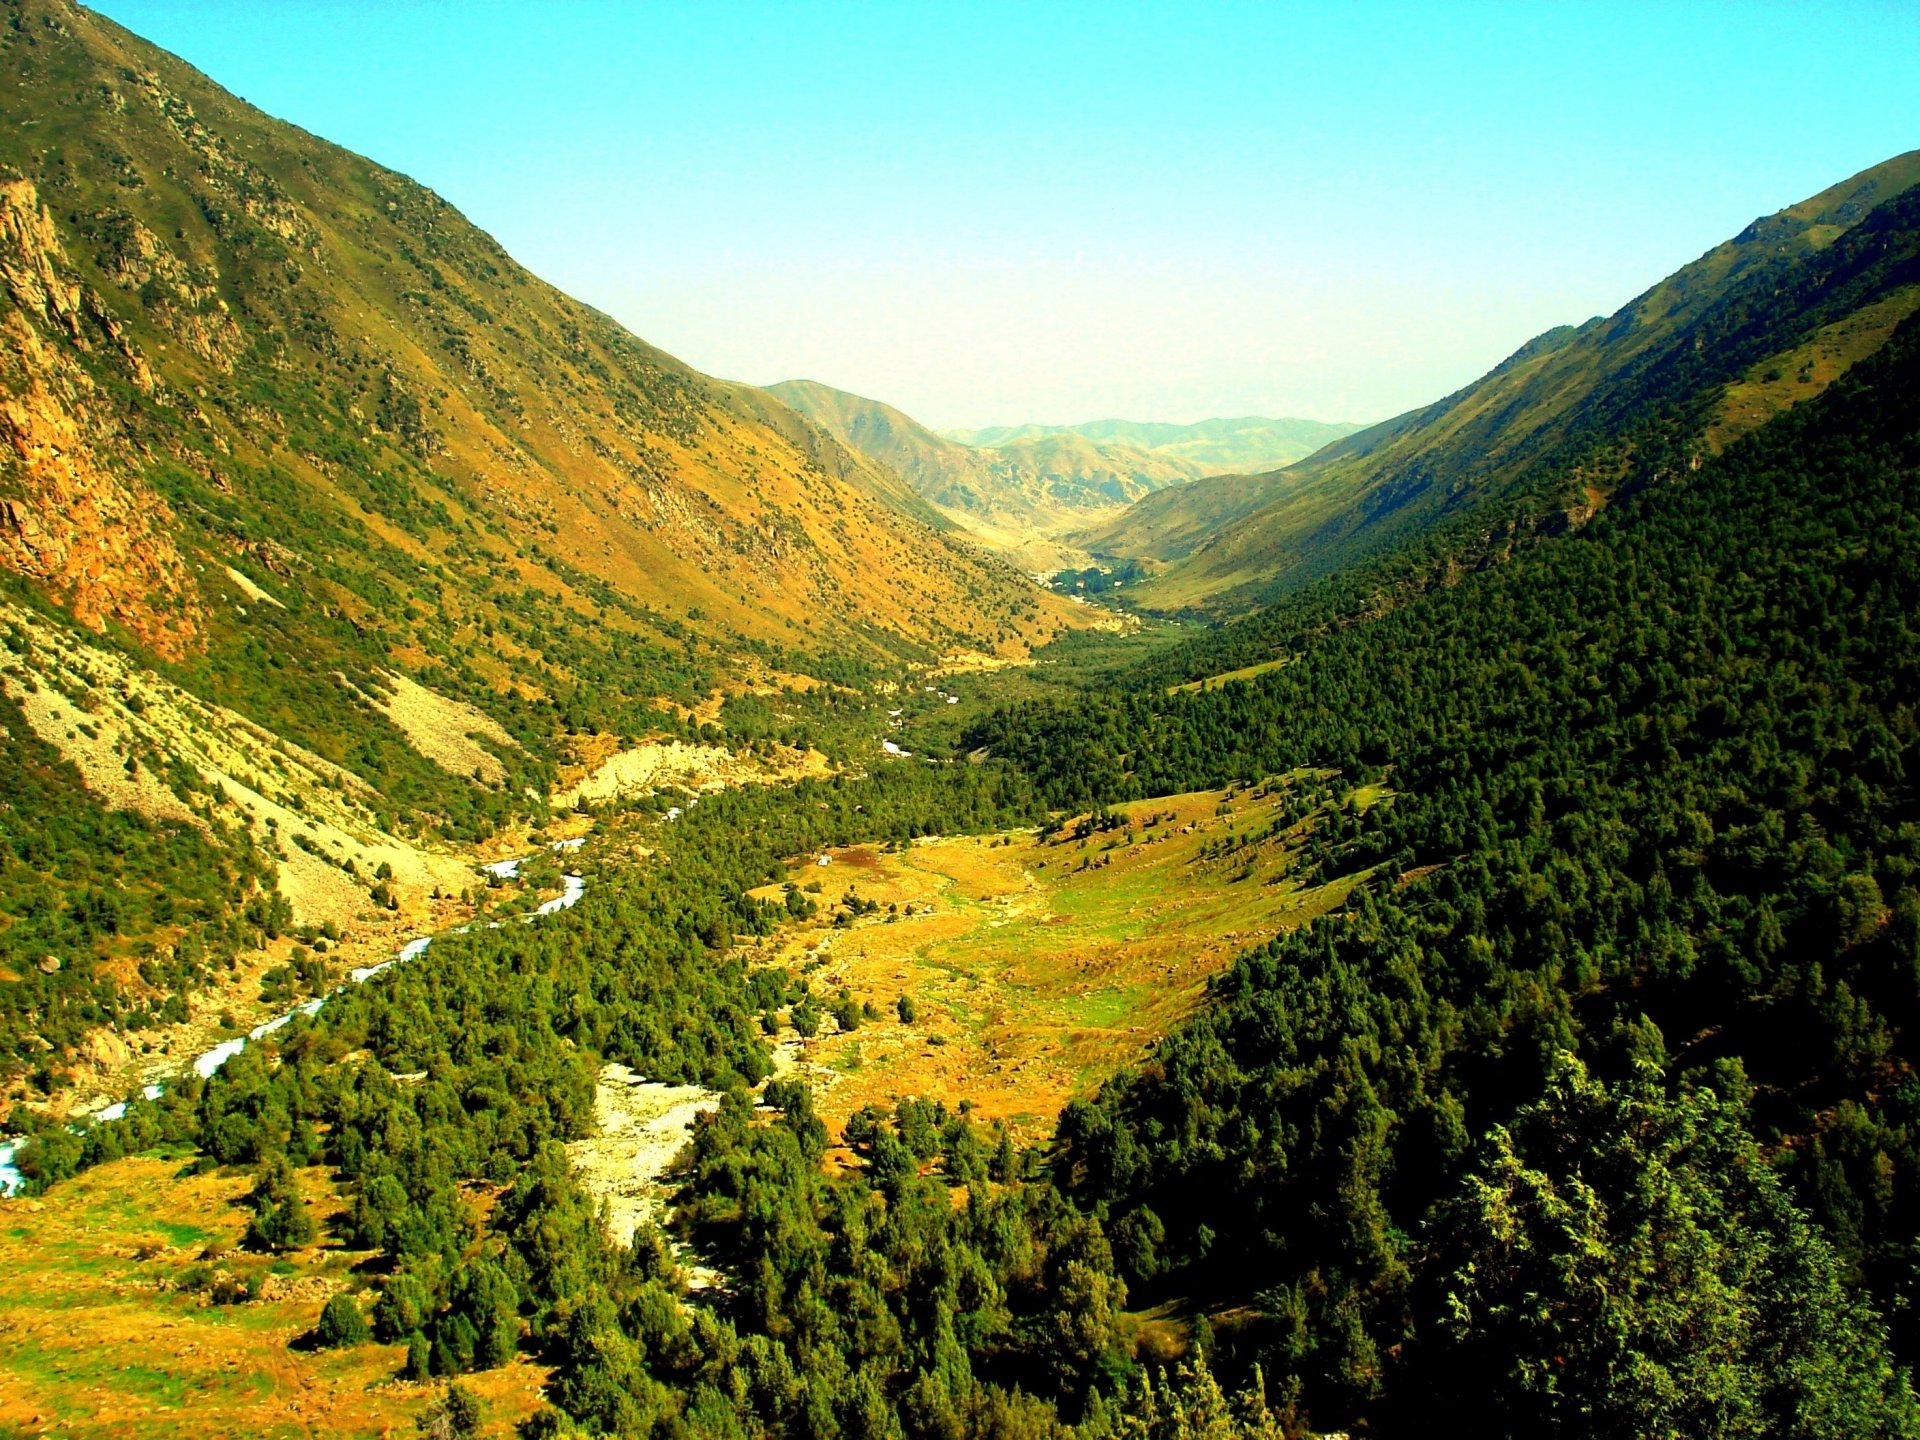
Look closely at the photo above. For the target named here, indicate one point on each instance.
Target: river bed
(206, 1064)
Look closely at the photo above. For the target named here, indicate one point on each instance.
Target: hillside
(1248, 443)
(1631, 965)
(1759, 323)
(329, 536)
(1017, 497)
(1169, 524)
(242, 341)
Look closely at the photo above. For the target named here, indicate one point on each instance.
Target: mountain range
(1021, 489)
(1249, 443)
(1759, 323)
(231, 343)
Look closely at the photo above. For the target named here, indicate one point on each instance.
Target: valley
(545, 893)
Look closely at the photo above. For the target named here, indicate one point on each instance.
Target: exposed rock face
(181, 300)
(71, 514)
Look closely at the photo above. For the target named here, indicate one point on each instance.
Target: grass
(1245, 672)
(104, 1333)
(1043, 965)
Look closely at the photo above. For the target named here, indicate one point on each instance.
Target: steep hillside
(1169, 524)
(1765, 320)
(945, 473)
(231, 339)
(1017, 497)
(1251, 442)
(1649, 801)
(325, 529)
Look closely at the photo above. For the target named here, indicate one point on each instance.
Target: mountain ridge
(1224, 444)
(1017, 497)
(1576, 403)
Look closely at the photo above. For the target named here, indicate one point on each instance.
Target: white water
(572, 887)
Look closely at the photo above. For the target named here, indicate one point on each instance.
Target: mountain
(1016, 496)
(1252, 442)
(1760, 323)
(329, 535)
(232, 346)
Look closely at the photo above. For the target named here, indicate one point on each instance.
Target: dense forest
(1653, 807)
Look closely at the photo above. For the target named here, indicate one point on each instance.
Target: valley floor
(1038, 966)
(110, 1324)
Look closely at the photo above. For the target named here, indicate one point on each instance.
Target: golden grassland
(1038, 967)
(108, 1326)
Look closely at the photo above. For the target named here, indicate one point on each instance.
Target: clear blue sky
(989, 213)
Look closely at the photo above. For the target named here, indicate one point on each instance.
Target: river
(572, 887)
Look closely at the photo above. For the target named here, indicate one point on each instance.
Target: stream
(572, 887)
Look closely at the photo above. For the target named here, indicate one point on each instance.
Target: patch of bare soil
(446, 731)
(643, 1126)
(674, 764)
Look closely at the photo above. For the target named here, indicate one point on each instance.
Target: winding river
(572, 887)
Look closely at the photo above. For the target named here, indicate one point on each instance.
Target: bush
(341, 1324)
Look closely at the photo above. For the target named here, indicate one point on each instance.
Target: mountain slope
(1648, 790)
(1766, 319)
(1251, 442)
(234, 333)
(328, 534)
(1016, 496)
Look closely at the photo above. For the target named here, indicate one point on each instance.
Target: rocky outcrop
(74, 515)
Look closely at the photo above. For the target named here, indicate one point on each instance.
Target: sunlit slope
(1797, 296)
(229, 338)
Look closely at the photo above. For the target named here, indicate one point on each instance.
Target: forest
(1653, 830)
(1593, 1111)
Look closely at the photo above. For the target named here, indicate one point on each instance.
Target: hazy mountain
(1252, 442)
(1767, 319)
(1018, 495)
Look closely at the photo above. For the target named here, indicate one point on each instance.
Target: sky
(989, 214)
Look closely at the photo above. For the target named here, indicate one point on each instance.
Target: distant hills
(1767, 319)
(1252, 442)
(1021, 488)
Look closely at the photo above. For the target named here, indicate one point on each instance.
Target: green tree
(1624, 1262)
(341, 1324)
(280, 1220)
(455, 1416)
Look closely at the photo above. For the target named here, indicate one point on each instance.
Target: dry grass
(106, 1327)
(1227, 677)
(1799, 374)
(1041, 966)
(448, 732)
